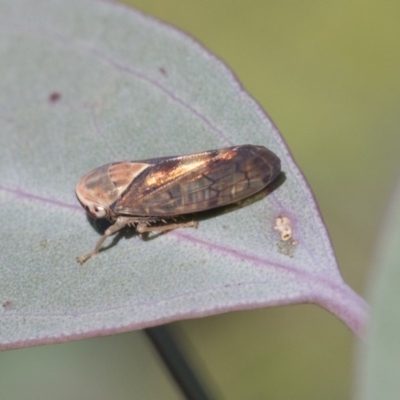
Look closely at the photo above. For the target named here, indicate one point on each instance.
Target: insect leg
(120, 223)
(142, 227)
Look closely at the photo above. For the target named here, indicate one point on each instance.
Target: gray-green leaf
(84, 83)
(379, 360)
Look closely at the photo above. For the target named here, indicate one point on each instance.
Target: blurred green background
(328, 75)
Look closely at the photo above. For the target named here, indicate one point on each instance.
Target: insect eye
(99, 211)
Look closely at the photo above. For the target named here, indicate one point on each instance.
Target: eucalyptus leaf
(379, 358)
(85, 83)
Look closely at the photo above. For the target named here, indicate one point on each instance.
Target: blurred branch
(164, 342)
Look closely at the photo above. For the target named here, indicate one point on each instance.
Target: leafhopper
(151, 194)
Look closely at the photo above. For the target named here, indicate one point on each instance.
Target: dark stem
(168, 349)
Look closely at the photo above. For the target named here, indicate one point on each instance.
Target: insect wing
(189, 184)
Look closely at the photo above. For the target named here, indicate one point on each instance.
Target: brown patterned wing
(189, 184)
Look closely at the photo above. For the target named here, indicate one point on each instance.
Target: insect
(150, 194)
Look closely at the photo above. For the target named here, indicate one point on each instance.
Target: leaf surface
(85, 83)
(379, 358)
